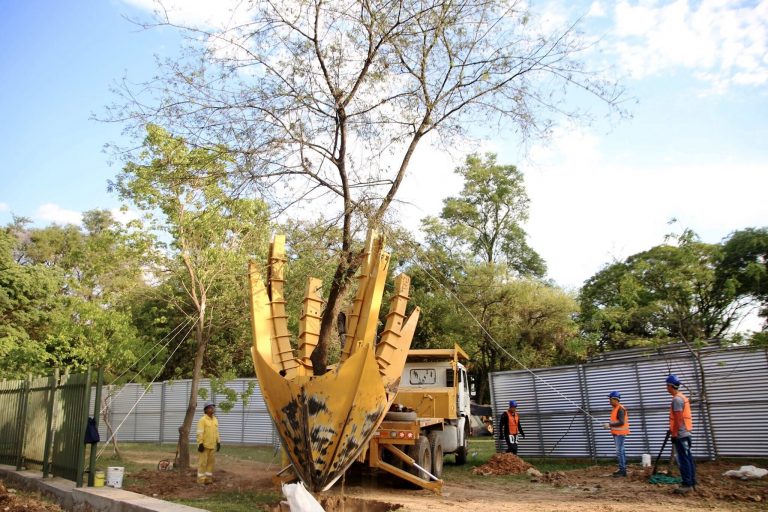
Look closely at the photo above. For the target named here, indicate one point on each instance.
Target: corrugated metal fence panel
(155, 414)
(737, 386)
(174, 409)
(738, 398)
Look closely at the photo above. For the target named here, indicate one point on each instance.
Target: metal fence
(139, 413)
(43, 422)
(731, 422)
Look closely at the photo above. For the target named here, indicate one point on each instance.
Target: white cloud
(218, 14)
(124, 216)
(586, 212)
(596, 10)
(724, 42)
(54, 213)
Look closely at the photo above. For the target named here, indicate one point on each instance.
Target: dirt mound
(12, 502)
(502, 464)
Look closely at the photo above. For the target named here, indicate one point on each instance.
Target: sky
(695, 148)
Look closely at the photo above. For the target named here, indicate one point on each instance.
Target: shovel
(664, 445)
(657, 478)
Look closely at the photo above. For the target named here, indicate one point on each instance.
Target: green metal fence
(43, 422)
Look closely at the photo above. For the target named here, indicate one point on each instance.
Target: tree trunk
(186, 427)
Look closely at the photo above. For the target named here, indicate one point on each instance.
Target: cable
(108, 400)
(490, 337)
(146, 388)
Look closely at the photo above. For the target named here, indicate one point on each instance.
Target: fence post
(591, 443)
(80, 436)
(538, 417)
(96, 414)
(53, 382)
(161, 436)
(646, 434)
(21, 423)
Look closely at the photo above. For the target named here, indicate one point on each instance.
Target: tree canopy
(328, 101)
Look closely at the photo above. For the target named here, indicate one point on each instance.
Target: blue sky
(696, 148)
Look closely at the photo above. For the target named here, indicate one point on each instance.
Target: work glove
(607, 426)
(218, 446)
(200, 448)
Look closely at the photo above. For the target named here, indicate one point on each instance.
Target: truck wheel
(421, 453)
(436, 445)
(462, 451)
(401, 416)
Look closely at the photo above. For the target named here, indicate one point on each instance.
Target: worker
(619, 427)
(208, 443)
(680, 429)
(510, 428)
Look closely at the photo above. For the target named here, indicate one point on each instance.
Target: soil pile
(12, 502)
(502, 464)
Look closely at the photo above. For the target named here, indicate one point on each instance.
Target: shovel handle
(656, 464)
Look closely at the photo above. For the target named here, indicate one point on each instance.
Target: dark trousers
(511, 444)
(685, 461)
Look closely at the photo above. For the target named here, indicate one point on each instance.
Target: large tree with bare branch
(329, 100)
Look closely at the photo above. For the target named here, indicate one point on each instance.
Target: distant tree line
(165, 296)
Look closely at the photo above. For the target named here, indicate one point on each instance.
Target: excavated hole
(345, 504)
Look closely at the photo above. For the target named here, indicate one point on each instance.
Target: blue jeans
(620, 455)
(685, 461)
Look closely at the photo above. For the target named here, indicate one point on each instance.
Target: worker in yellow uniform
(208, 443)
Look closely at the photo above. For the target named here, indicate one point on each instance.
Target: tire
(422, 454)
(401, 416)
(436, 446)
(463, 450)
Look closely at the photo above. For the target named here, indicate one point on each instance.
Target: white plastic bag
(747, 472)
(300, 499)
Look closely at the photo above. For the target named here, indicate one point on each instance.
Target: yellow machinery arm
(326, 421)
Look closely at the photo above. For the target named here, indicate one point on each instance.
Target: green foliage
(65, 296)
(745, 265)
(669, 292)
(486, 219)
(206, 235)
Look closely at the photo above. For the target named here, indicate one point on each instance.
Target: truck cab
(435, 385)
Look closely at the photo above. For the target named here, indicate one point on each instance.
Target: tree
(210, 235)
(29, 298)
(90, 276)
(669, 292)
(486, 219)
(480, 245)
(330, 100)
(745, 265)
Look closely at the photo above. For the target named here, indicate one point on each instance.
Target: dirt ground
(591, 489)
(13, 501)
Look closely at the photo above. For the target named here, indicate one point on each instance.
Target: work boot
(619, 473)
(683, 489)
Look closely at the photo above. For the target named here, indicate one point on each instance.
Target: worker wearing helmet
(681, 428)
(510, 428)
(208, 443)
(619, 427)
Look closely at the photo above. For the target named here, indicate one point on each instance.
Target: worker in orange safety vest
(619, 427)
(509, 427)
(680, 429)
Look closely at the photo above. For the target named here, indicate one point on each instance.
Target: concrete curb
(97, 499)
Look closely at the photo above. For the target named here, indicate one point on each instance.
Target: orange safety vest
(623, 430)
(513, 423)
(687, 417)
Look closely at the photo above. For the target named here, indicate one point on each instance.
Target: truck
(429, 418)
